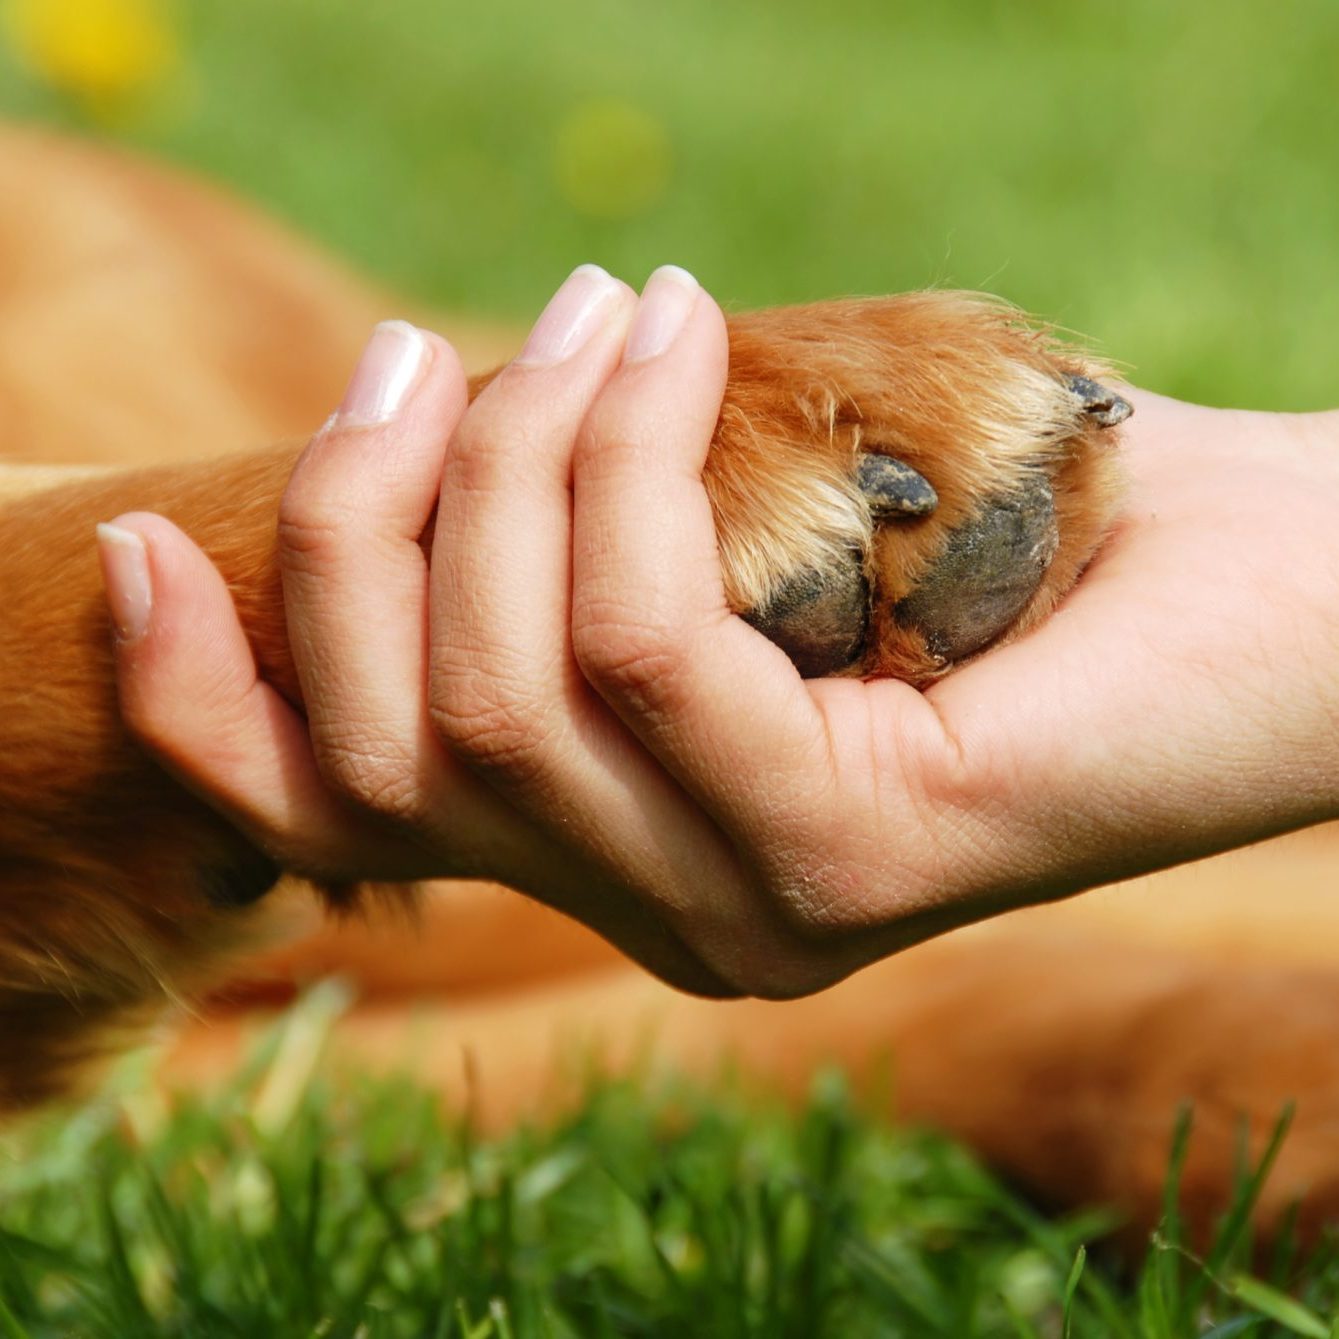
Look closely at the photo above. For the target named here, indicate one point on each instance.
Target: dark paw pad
(819, 618)
(985, 574)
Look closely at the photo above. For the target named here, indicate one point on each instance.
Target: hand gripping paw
(901, 483)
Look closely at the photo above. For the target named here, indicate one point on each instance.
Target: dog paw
(901, 483)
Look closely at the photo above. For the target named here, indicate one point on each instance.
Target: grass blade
(1234, 1226)
(1071, 1287)
(1278, 1307)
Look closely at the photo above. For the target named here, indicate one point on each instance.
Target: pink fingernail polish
(125, 572)
(386, 373)
(667, 300)
(575, 312)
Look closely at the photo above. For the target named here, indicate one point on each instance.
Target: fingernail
(125, 572)
(670, 294)
(386, 373)
(575, 312)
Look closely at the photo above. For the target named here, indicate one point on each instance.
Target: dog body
(148, 321)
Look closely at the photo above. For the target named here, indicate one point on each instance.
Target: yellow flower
(612, 159)
(101, 51)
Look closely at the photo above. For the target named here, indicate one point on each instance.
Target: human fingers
(355, 576)
(190, 692)
(720, 709)
(371, 794)
(719, 705)
(501, 570)
(356, 595)
(507, 698)
(191, 695)
(355, 580)
(651, 628)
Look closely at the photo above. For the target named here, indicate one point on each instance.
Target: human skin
(558, 698)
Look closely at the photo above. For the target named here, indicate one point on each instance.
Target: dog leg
(897, 483)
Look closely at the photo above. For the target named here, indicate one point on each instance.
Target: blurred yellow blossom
(101, 52)
(612, 159)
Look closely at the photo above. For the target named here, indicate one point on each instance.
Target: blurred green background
(1163, 178)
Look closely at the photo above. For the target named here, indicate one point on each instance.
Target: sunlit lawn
(356, 1210)
(1161, 177)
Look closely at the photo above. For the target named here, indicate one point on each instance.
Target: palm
(1142, 724)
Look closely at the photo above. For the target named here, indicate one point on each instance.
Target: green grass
(358, 1210)
(1161, 177)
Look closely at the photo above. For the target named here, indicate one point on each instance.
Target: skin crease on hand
(585, 720)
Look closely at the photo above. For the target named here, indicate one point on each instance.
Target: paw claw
(1103, 405)
(894, 489)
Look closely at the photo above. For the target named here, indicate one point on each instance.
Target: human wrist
(1323, 432)
(1310, 442)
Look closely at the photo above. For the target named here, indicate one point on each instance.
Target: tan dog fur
(145, 318)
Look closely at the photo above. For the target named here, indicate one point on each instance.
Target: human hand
(570, 707)
(355, 787)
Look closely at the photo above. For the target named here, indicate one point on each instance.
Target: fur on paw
(900, 483)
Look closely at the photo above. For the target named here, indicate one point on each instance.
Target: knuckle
(826, 925)
(842, 912)
(483, 452)
(311, 523)
(610, 435)
(374, 777)
(621, 654)
(818, 909)
(790, 976)
(773, 961)
(490, 727)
